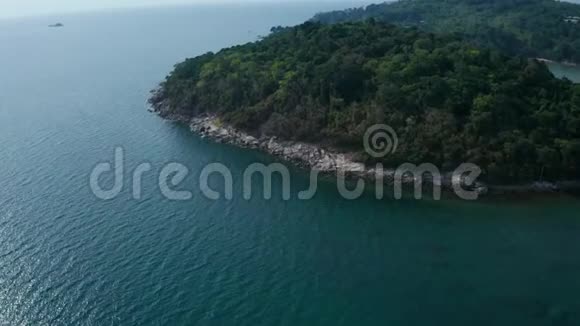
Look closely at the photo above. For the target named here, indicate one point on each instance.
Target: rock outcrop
(309, 156)
(302, 154)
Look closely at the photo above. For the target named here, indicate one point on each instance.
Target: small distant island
(449, 100)
(56, 25)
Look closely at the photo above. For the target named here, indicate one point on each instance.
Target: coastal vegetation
(449, 101)
(533, 28)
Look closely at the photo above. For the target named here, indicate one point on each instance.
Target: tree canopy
(449, 101)
(534, 28)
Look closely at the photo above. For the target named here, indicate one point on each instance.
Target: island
(56, 25)
(308, 93)
(533, 28)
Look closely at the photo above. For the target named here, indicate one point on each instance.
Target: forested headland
(449, 101)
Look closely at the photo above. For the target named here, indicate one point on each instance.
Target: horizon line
(355, 3)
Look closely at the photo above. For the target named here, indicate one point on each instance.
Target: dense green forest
(533, 28)
(449, 101)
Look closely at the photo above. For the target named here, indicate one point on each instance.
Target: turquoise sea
(69, 96)
(561, 70)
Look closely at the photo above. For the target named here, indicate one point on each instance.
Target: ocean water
(70, 96)
(561, 70)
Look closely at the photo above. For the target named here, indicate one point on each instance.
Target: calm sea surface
(69, 96)
(570, 72)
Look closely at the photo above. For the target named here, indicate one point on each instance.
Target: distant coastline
(485, 23)
(564, 63)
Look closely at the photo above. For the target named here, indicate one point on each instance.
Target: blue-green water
(69, 96)
(561, 70)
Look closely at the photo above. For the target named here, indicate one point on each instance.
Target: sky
(22, 8)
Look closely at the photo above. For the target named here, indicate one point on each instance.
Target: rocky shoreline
(301, 154)
(304, 155)
(314, 157)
